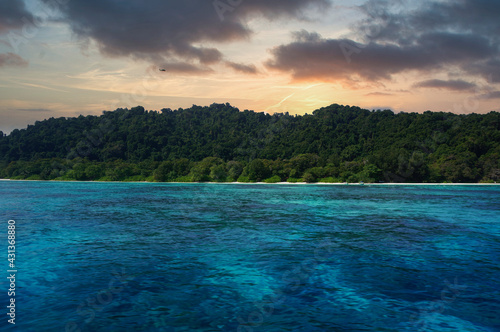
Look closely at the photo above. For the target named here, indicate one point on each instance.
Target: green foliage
(202, 171)
(330, 180)
(185, 178)
(313, 174)
(244, 179)
(302, 162)
(370, 174)
(234, 170)
(35, 177)
(257, 170)
(220, 143)
(218, 173)
(353, 178)
(94, 171)
(135, 178)
(164, 172)
(274, 179)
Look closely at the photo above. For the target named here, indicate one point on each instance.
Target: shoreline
(277, 183)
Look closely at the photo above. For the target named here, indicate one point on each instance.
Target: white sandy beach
(281, 183)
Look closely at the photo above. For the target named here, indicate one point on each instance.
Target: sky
(63, 58)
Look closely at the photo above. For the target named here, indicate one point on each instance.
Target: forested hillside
(220, 143)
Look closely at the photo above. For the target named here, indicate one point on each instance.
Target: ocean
(250, 257)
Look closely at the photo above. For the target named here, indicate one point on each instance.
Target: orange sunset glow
(61, 59)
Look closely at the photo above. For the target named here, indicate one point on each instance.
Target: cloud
(402, 21)
(490, 95)
(13, 15)
(312, 57)
(171, 30)
(185, 67)
(389, 22)
(44, 110)
(478, 16)
(379, 94)
(399, 36)
(12, 60)
(454, 85)
(246, 69)
(488, 69)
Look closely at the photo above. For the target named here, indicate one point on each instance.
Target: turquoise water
(217, 257)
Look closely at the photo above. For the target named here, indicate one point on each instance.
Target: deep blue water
(217, 257)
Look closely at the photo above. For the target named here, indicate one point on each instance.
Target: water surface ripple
(228, 257)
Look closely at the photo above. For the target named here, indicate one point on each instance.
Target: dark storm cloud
(12, 60)
(454, 85)
(390, 20)
(171, 29)
(437, 36)
(312, 57)
(479, 16)
(13, 15)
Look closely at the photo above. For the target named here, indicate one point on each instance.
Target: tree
(201, 170)
(94, 171)
(235, 169)
(164, 172)
(370, 174)
(79, 172)
(409, 147)
(218, 173)
(257, 170)
(302, 162)
(181, 167)
(314, 174)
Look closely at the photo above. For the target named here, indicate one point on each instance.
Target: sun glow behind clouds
(255, 59)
